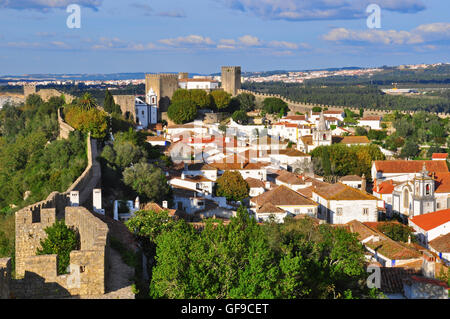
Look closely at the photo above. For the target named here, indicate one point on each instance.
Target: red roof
(442, 182)
(386, 187)
(430, 281)
(399, 166)
(432, 220)
(439, 156)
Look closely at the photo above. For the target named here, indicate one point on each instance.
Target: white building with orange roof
(373, 122)
(430, 226)
(340, 204)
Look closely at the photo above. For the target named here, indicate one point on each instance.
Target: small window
(365, 211)
(339, 211)
(427, 189)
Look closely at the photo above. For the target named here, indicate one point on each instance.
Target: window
(427, 189)
(297, 211)
(438, 205)
(365, 211)
(339, 211)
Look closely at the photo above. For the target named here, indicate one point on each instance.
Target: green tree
(221, 99)
(87, 102)
(61, 240)
(182, 111)
(247, 101)
(148, 181)
(410, 149)
(232, 186)
(200, 98)
(240, 117)
(273, 105)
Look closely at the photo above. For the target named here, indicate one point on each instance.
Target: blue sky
(202, 35)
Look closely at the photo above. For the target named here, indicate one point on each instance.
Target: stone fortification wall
(64, 128)
(306, 107)
(37, 275)
(127, 104)
(45, 94)
(5, 277)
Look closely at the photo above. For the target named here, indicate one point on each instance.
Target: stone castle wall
(164, 85)
(5, 277)
(64, 128)
(127, 104)
(45, 94)
(307, 107)
(38, 274)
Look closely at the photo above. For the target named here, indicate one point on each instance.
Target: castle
(162, 86)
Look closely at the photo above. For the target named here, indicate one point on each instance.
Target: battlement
(37, 274)
(161, 75)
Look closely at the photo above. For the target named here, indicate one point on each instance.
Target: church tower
(424, 200)
(322, 135)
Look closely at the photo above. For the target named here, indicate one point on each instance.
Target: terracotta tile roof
(295, 118)
(442, 182)
(289, 178)
(255, 183)
(293, 153)
(331, 118)
(371, 118)
(432, 220)
(197, 80)
(201, 167)
(384, 245)
(441, 244)
(350, 178)
(239, 166)
(439, 155)
(341, 191)
(197, 179)
(283, 196)
(156, 208)
(429, 281)
(392, 278)
(401, 166)
(307, 191)
(155, 139)
(307, 140)
(351, 140)
(269, 208)
(386, 187)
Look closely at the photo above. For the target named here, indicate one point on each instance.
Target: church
(322, 136)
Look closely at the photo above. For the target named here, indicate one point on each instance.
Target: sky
(200, 36)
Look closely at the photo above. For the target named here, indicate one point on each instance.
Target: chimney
(183, 176)
(74, 198)
(267, 185)
(97, 199)
(165, 204)
(137, 203)
(363, 183)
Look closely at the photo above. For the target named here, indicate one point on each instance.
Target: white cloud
(423, 34)
(190, 40)
(250, 41)
(297, 10)
(44, 5)
(118, 44)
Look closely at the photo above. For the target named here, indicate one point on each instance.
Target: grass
(129, 257)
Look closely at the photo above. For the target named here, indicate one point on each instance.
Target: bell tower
(322, 135)
(424, 200)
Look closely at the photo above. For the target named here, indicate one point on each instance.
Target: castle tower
(29, 89)
(183, 75)
(163, 85)
(424, 201)
(231, 79)
(322, 135)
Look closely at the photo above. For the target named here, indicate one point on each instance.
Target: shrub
(61, 240)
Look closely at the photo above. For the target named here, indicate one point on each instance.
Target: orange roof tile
(439, 155)
(432, 220)
(442, 182)
(441, 244)
(402, 166)
(283, 196)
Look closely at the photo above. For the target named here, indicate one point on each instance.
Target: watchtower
(231, 79)
(29, 89)
(163, 85)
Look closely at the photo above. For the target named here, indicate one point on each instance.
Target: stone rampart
(5, 277)
(37, 275)
(64, 128)
(306, 107)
